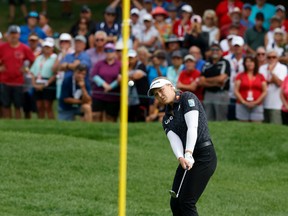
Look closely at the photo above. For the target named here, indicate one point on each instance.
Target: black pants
(284, 117)
(194, 183)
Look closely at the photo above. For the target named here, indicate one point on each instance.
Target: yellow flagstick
(124, 111)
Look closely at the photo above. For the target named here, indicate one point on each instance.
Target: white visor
(158, 83)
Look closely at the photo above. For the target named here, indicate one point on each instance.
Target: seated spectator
(157, 68)
(65, 47)
(284, 99)
(196, 37)
(97, 53)
(281, 13)
(109, 25)
(44, 24)
(34, 44)
(250, 90)
(246, 12)
(31, 26)
(261, 56)
(86, 14)
(265, 8)
(278, 43)
(210, 26)
(75, 98)
(224, 8)
(136, 26)
(146, 8)
(43, 81)
(274, 73)
(254, 37)
(164, 28)
(172, 14)
(143, 55)
(149, 34)
(173, 43)
(105, 87)
(215, 80)
(189, 77)
(269, 37)
(177, 66)
(183, 25)
(196, 52)
(71, 61)
(138, 87)
(11, 79)
(235, 18)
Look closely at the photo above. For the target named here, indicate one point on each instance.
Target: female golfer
(185, 124)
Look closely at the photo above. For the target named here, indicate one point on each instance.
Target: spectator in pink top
(284, 99)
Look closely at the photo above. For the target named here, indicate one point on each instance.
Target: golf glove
(188, 156)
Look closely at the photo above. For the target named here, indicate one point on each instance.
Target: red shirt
(222, 11)
(254, 85)
(285, 25)
(187, 78)
(179, 30)
(13, 58)
(284, 87)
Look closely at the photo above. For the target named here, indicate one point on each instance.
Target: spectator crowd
(233, 58)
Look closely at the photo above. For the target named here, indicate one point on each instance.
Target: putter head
(173, 194)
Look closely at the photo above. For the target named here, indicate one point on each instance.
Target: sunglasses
(109, 50)
(271, 57)
(99, 39)
(260, 54)
(110, 14)
(215, 49)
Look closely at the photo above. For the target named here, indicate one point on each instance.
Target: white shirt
(275, 47)
(272, 100)
(213, 31)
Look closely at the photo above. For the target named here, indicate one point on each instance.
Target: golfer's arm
(176, 144)
(191, 119)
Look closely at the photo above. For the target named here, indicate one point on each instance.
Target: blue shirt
(69, 86)
(26, 31)
(199, 64)
(268, 11)
(83, 57)
(173, 75)
(115, 30)
(152, 72)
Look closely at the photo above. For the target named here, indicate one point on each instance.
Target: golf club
(173, 193)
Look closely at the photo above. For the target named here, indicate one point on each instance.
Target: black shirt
(212, 70)
(174, 118)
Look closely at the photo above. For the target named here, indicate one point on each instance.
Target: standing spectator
(246, 12)
(279, 42)
(149, 34)
(65, 46)
(105, 91)
(254, 37)
(284, 99)
(173, 43)
(31, 26)
(281, 13)
(43, 81)
(196, 52)
(138, 87)
(237, 66)
(189, 77)
(224, 8)
(160, 3)
(34, 44)
(12, 6)
(136, 26)
(177, 66)
(83, 29)
(143, 55)
(266, 8)
(157, 68)
(178, 4)
(215, 80)
(172, 14)
(97, 53)
(274, 73)
(269, 37)
(250, 90)
(109, 25)
(183, 25)
(44, 24)
(75, 98)
(261, 56)
(146, 8)
(71, 61)
(12, 56)
(210, 26)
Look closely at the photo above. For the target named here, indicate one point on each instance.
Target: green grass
(58, 168)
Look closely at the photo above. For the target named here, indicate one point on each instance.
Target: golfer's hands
(187, 162)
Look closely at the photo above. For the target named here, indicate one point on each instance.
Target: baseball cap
(235, 10)
(132, 53)
(159, 54)
(172, 38)
(81, 67)
(110, 46)
(119, 45)
(196, 18)
(247, 6)
(187, 8)
(14, 29)
(134, 11)
(85, 9)
(33, 36)
(177, 53)
(280, 7)
(147, 1)
(171, 7)
(276, 18)
(189, 57)
(33, 14)
(237, 40)
(110, 10)
(259, 16)
(278, 30)
(48, 42)
(215, 44)
(158, 83)
(147, 17)
(65, 37)
(81, 38)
